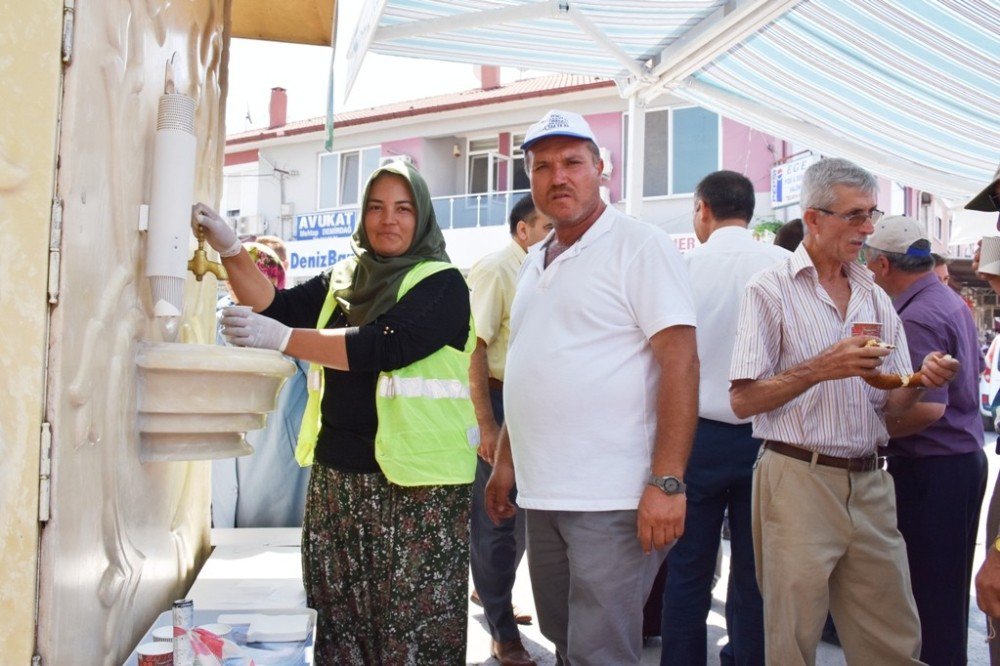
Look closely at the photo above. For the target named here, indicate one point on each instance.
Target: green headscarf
(366, 284)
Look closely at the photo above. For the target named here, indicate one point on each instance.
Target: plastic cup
(155, 654)
(872, 329)
(231, 308)
(217, 628)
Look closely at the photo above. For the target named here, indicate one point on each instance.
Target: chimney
(489, 76)
(278, 108)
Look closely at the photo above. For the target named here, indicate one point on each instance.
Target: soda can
(155, 654)
(183, 615)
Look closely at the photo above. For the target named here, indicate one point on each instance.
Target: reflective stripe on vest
(420, 387)
(427, 431)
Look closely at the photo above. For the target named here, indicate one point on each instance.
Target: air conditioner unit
(389, 159)
(249, 225)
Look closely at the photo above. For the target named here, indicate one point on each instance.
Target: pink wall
(608, 131)
(745, 151)
(504, 144)
(413, 147)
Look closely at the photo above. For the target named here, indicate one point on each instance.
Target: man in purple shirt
(936, 457)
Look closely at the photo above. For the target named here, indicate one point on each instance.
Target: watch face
(668, 484)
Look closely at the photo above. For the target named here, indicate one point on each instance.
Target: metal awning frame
(641, 81)
(673, 71)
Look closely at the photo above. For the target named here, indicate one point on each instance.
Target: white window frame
(493, 160)
(670, 150)
(362, 177)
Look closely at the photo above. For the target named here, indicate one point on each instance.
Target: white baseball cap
(558, 123)
(900, 235)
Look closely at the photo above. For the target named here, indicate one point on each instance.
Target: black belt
(863, 464)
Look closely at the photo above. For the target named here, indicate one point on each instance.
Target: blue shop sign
(334, 224)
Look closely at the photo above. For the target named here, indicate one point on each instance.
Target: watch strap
(671, 485)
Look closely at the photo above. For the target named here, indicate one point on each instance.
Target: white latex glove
(245, 328)
(217, 231)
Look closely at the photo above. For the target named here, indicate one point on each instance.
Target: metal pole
(636, 154)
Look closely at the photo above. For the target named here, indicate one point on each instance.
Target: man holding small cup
(824, 521)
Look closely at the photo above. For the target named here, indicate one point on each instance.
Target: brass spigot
(200, 264)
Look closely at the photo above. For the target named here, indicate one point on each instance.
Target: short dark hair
(789, 235)
(729, 195)
(522, 210)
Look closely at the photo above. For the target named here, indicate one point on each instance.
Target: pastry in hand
(887, 382)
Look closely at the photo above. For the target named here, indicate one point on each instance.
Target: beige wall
(29, 69)
(125, 538)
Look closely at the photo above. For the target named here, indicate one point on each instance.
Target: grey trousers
(590, 580)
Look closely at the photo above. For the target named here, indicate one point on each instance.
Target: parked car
(989, 386)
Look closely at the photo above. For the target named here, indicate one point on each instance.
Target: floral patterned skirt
(387, 569)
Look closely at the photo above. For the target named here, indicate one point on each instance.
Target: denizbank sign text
(335, 224)
(312, 257)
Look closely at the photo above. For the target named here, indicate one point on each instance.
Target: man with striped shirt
(824, 519)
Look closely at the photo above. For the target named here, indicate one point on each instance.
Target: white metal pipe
(168, 237)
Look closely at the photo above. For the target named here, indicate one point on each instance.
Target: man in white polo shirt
(601, 397)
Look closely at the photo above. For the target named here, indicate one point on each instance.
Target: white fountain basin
(197, 401)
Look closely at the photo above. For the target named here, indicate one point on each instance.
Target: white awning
(906, 88)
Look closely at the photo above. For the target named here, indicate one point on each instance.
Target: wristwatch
(671, 485)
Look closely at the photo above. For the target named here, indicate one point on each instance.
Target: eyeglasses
(857, 219)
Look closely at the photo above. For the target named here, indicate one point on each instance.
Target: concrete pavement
(827, 655)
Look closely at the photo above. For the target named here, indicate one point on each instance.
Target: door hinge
(69, 14)
(45, 473)
(55, 242)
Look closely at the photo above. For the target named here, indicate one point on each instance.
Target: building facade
(281, 180)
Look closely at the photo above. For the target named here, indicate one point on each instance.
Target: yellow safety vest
(427, 432)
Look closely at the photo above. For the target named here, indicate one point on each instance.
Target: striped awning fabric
(547, 41)
(907, 88)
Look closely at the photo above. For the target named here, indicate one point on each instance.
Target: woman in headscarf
(389, 425)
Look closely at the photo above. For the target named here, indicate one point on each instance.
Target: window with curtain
(681, 148)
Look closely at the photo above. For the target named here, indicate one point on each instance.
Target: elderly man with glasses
(824, 520)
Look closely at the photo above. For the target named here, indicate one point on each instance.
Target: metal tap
(200, 264)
